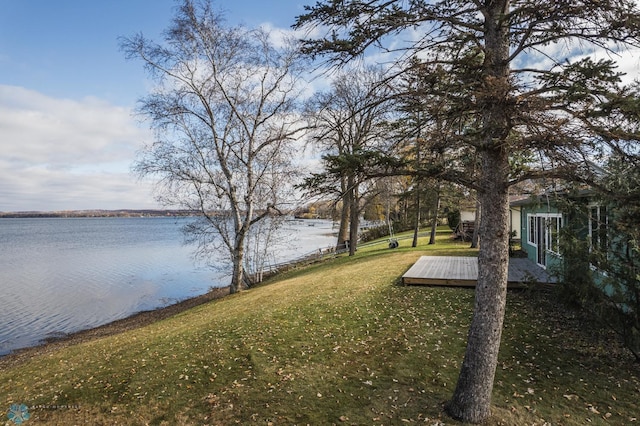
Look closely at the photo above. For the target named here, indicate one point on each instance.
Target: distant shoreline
(115, 213)
(98, 213)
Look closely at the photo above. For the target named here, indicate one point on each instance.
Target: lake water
(59, 276)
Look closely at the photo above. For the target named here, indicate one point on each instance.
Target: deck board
(463, 271)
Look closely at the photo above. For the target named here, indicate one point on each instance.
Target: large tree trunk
(471, 401)
(354, 212)
(241, 231)
(416, 224)
(434, 223)
(237, 275)
(343, 231)
(472, 397)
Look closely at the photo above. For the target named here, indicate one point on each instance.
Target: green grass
(335, 343)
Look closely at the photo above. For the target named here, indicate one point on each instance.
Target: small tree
(223, 114)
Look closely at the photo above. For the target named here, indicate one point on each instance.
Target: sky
(68, 135)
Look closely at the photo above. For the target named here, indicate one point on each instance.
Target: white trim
(533, 232)
(530, 229)
(602, 210)
(549, 234)
(598, 218)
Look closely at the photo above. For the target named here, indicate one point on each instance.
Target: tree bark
(354, 212)
(416, 225)
(343, 231)
(472, 397)
(237, 275)
(434, 223)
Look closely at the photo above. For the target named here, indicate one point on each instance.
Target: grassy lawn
(334, 343)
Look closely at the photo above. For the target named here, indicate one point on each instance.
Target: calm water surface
(59, 276)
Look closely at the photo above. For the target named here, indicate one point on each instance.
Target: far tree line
(423, 96)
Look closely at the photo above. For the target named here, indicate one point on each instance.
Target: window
(599, 228)
(545, 228)
(554, 223)
(532, 230)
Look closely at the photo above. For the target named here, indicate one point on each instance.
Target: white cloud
(628, 61)
(67, 154)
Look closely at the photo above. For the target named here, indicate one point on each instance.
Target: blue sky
(67, 135)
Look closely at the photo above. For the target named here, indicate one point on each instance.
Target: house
(465, 228)
(515, 222)
(542, 218)
(600, 268)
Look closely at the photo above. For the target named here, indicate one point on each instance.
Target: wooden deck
(463, 271)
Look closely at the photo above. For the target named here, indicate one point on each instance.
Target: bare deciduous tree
(348, 122)
(223, 111)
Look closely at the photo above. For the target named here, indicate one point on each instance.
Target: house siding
(516, 222)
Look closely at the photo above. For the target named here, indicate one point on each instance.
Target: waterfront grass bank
(339, 342)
